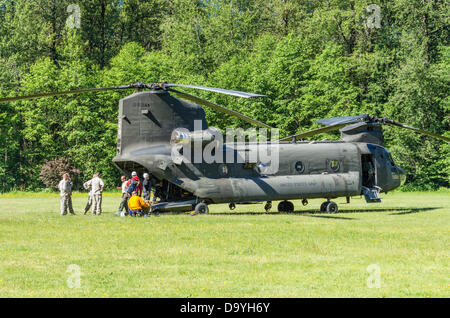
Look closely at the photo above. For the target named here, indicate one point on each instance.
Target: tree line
(314, 59)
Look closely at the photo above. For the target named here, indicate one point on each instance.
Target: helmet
(133, 174)
(146, 175)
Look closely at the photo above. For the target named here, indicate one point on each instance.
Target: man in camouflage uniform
(87, 186)
(96, 185)
(65, 191)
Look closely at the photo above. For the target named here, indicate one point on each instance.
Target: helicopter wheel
(329, 206)
(201, 208)
(268, 206)
(232, 206)
(285, 206)
(323, 206)
(332, 207)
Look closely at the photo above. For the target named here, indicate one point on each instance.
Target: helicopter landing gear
(329, 206)
(268, 206)
(285, 206)
(200, 208)
(232, 206)
(305, 202)
(332, 207)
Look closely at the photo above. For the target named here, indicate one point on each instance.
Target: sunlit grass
(242, 253)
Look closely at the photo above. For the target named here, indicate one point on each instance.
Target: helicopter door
(369, 179)
(368, 171)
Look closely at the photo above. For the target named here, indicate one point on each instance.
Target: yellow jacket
(136, 203)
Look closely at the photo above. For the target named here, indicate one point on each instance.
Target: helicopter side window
(263, 168)
(223, 169)
(299, 167)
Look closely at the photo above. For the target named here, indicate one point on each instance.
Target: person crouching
(136, 205)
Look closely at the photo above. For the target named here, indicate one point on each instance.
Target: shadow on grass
(309, 213)
(330, 217)
(315, 213)
(410, 211)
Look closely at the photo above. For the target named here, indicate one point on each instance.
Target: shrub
(52, 171)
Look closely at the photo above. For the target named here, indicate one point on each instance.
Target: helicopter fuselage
(305, 170)
(297, 170)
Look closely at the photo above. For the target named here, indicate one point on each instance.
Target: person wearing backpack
(134, 185)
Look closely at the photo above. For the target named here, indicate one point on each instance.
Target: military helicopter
(152, 123)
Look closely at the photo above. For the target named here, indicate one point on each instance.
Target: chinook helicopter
(152, 123)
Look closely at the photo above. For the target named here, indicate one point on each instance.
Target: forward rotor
(340, 122)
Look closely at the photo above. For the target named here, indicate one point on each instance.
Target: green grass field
(240, 253)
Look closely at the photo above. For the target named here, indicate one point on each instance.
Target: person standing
(65, 191)
(147, 186)
(96, 184)
(157, 193)
(134, 184)
(124, 202)
(88, 186)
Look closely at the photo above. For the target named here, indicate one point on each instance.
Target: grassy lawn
(240, 253)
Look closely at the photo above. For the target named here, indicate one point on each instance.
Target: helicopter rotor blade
(332, 124)
(418, 130)
(218, 108)
(215, 90)
(158, 86)
(139, 85)
(339, 122)
(313, 132)
(77, 91)
(344, 119)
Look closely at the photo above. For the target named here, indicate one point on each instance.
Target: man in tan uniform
(87, 186)
(96, 185)
(65, 191)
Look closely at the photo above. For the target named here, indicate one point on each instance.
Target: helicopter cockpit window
(391, 160)
(334, 165)
(299, 167)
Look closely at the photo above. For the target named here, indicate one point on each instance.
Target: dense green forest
(313, 58)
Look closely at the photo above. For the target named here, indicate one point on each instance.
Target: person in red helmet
(134, 184)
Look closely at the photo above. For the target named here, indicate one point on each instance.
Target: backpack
(132, 187)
